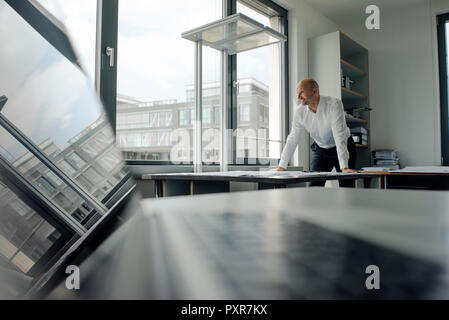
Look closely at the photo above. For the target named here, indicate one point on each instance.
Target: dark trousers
(324, 160)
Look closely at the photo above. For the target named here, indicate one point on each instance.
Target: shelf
(234, 34)
(355, 120)
(358, 145)
(351, 94)
(350, 47)
(351, 70)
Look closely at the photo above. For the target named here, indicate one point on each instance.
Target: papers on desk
(423, 170)
(259, 174)
(376, 169)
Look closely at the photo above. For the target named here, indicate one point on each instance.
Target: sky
(48, 97)
(154, 61)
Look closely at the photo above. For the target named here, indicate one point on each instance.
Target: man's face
(305, 94)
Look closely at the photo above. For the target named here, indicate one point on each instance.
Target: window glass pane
(24, 235)
(39, 176)
(51, 102)
(80, 18)
(76, 160)
(258, 133)
(156, 76)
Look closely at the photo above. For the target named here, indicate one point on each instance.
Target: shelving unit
(333, 56)
(351, 70)
(349, 94)
(351, 119)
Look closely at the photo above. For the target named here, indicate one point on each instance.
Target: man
(323, 117)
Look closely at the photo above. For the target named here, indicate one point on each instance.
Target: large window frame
(444, 103)
(71, 230)
(106, 75)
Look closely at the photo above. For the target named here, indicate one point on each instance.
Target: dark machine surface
(277, 244)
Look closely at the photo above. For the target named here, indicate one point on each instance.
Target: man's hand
(346, 170)
(280, 169)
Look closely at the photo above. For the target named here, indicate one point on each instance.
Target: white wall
(404, 81)
(304, 23)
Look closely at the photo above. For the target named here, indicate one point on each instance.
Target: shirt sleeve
(292, 141)
(341, 134)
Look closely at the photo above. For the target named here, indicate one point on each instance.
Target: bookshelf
(331, 57)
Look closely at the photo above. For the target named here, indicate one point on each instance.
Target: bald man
(323, 117)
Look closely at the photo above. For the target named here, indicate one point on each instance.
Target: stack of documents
(360, 135)
(429, 169)
(386, 159)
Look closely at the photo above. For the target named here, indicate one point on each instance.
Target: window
(192, 116)
(92, 175)
(260, 75)
(110, 160)
(54, 179)
(85, 183)
(47, 182)
(22, 240)
(244, 115)
(46, 186)
(76, 160)
(217, 116)
(182, 117)
(207, 114)
(133, 120)
(443, 46)
(155, 72)
(80, 18)
(67, 168)
(95, 145)
(153, 77)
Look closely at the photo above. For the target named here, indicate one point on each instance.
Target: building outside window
(76, 160)
(192, 116)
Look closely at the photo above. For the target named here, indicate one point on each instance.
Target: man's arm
(339, 131)
(292, 142)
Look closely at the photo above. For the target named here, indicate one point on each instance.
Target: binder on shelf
(361, 130)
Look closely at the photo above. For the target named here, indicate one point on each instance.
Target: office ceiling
(345, 12)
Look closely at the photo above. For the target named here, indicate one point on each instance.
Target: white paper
(423, 170)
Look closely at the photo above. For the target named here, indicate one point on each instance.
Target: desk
(312, 243)
(413, 180)
(172, 184)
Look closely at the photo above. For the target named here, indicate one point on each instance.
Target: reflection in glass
(79, 17)
(39, 175)
(51, 103)
(24, 235)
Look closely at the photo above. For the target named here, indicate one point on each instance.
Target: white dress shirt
(327, 127)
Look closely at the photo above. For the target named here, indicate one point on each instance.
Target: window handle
(110, 54)
(236, 84)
